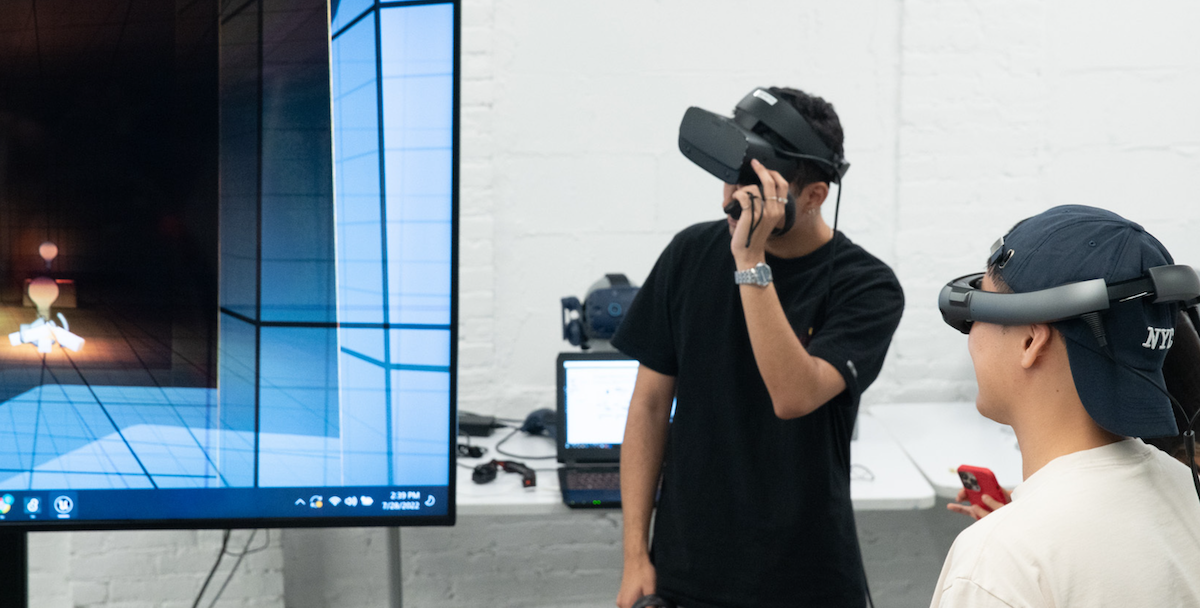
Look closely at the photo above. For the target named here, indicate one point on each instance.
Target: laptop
(593, 401)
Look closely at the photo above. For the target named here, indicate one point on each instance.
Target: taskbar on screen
(45, 507)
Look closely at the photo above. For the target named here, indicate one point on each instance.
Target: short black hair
(1002, 286)
(824, 120)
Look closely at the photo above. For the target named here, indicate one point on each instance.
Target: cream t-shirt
(1117, 526)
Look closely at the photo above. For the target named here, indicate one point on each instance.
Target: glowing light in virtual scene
(43, 292)
(48, 251)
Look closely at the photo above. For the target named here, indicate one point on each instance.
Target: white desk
(897, 483)
(939, 437)
(504, 495)
(882, 477)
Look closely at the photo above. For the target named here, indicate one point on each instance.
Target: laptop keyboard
(609, 479)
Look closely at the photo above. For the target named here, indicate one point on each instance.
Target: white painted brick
(471, 355)
(85, 542)
(162, 587)
(477, 66)
(477, 144)
(481, 328)
(476, 40)
(49, 562)
(476, 118)
(476, 228)
(475, 175)
(476, 277)
(152, 538)
(478, 92)
(114, 564)
(84, 593)
(477, 13)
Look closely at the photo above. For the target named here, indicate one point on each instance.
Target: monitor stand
(14, 576)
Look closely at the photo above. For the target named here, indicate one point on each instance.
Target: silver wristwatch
(759, 275)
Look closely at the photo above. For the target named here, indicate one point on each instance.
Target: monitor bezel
(580, 454)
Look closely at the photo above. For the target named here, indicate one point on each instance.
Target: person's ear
(811, 196)
(1037, 341)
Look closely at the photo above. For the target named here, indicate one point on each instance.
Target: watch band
(759, 275)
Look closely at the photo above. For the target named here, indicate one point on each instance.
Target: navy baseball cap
(1073, 243)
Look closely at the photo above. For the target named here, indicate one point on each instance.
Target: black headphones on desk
(486, 472)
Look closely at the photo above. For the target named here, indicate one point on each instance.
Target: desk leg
(395, 571)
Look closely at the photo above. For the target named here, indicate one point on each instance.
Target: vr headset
(963, 301)
(600, 313)
(764, 128)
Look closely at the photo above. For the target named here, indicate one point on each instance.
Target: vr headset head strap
(962, 302)
(785, 121)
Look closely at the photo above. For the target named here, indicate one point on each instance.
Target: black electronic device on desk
(593, 402)
(486, 472)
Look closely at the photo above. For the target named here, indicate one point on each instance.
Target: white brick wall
(961, 117)
(150, 569)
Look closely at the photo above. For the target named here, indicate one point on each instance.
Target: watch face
(762, 274)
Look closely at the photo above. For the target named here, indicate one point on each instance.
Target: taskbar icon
(59, 505)
(319, 501)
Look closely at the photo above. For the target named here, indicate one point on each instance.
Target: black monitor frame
(18, 526)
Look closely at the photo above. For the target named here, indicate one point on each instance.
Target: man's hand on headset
(762, 208)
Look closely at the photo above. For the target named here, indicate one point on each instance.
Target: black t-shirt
(755, 511)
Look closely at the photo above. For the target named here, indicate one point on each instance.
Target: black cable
(466, 450)
(1189, 434)
(837, 209)
(220, 556)
(518, 456)
(240, 556)
(1189, 445)
(266, 545)
(819, 159)
(867, 474)
(753, 224)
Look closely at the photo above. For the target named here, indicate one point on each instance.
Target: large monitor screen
(230, 276)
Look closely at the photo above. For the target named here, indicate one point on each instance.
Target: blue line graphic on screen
(335, 330)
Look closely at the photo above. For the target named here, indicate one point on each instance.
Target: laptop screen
(596, 399)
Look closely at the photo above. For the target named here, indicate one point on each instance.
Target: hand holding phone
(979, 482)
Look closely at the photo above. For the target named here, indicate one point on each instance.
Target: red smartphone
(979, 481)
